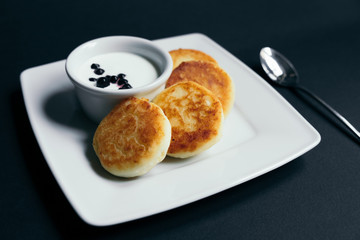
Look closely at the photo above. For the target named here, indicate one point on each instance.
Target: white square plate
(261, 133)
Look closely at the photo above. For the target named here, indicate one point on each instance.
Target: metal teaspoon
(281, 71)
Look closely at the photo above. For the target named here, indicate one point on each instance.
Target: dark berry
(92, 79)
(126, 86)
(95, 66)
(121, 75)
(122, 81)
(99, 71)
(102, 82)
(113, 79)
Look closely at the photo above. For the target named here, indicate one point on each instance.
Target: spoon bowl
(278, 67)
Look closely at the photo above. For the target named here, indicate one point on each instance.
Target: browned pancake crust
(195, 115)
(183, 55)
(208, 75)
(130, 136)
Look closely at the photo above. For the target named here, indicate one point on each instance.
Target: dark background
(316, 196)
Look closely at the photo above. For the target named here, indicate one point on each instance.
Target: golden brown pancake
(183, 55)
(132, 138)
(208, 75)
(195, 115)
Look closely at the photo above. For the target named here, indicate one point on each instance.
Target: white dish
(261, 133)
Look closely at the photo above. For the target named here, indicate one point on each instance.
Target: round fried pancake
(184, 55)
(195, 115)
(208, 75)
(132, 138)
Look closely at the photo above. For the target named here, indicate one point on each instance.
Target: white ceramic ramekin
(97, 102)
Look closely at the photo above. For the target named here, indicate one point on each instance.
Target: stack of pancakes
(196, 66)
(185, 119)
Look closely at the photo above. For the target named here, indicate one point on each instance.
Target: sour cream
(138, 70)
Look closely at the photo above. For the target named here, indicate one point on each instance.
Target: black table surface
(316, 196)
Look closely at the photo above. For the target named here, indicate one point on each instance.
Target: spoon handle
(333, 111)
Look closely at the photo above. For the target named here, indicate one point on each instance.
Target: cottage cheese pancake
(132, 138)
(196, 118)
(184, 55)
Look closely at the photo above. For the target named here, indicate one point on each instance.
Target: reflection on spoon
(281, 71)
